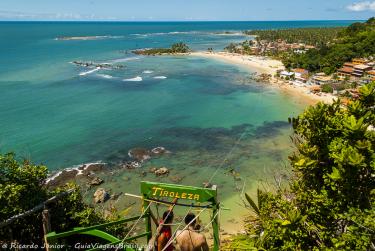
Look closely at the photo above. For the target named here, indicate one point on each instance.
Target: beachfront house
(320, 79)
(360, 70)
(301, 75)
(358, 61)
(346, 71)
(357, 68)
(286, 75)
(371, 75)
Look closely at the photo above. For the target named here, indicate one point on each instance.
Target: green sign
(161, 190)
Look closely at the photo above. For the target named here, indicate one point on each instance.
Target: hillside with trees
(356, 41)
(330, 201)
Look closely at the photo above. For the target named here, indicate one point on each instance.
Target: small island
(177, 48)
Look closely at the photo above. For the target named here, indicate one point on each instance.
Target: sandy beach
(268, 66)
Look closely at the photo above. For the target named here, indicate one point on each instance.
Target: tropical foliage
(330, 203)
(175, 48)
(243, 48)
(357, 40)
(310, 36)
(22, 188)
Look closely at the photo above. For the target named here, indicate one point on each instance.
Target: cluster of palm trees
(310, 36)
(180, 48)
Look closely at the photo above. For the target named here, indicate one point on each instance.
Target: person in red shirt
(165, 232)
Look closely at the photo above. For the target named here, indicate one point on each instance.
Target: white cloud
(362, 6)
(16, 15)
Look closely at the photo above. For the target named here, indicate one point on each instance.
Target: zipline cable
(140, 217)
(212, 220)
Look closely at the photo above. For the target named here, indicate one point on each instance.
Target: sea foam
(160, 77)
(105, 76)
(124, 59)
(89, 72)
(147, 72)
(83, 38)
(136, 79)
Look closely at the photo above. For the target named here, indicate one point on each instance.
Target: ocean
(209, 114)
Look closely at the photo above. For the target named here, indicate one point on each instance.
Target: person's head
(168, 216)
(190, 218)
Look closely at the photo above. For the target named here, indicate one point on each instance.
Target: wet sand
(268, 66)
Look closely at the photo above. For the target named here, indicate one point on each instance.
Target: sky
(185, 10)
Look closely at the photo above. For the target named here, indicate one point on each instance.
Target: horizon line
(192, 21)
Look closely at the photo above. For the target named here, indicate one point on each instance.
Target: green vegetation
(357, 40)
(175, 48)
(330, 202)
(310, 36)
(22, 188)
(327, 88)
(243, 48)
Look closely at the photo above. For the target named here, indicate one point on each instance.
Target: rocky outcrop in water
(101, 195)
(89, 64)
(161, 171)
(96, 181)
(176, 179)
(139, 154)
(131, 165)
(158, 151)
(69, 174)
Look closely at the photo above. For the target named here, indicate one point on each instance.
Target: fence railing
(53, 238)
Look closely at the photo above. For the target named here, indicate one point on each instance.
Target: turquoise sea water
(59, 114)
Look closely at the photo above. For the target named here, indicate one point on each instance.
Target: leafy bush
(21, 189)
(327, 88)
(330, 203)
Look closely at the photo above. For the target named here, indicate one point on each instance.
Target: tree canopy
(357, 40)
(22, 188)
(330, 202)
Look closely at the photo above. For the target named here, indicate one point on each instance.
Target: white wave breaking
(147, 72)
(166, 33)
(106, 76)
(160, 77)
(136, 79)
(218, 33)
(124, 59)
(89, 72)
(76, 170)
(83, 38)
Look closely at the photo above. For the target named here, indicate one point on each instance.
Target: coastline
(268, 66)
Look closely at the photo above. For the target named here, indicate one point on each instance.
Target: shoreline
(268, 66)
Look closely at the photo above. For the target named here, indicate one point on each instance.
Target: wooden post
(46, 219)
(215, 222)
(148, 220)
